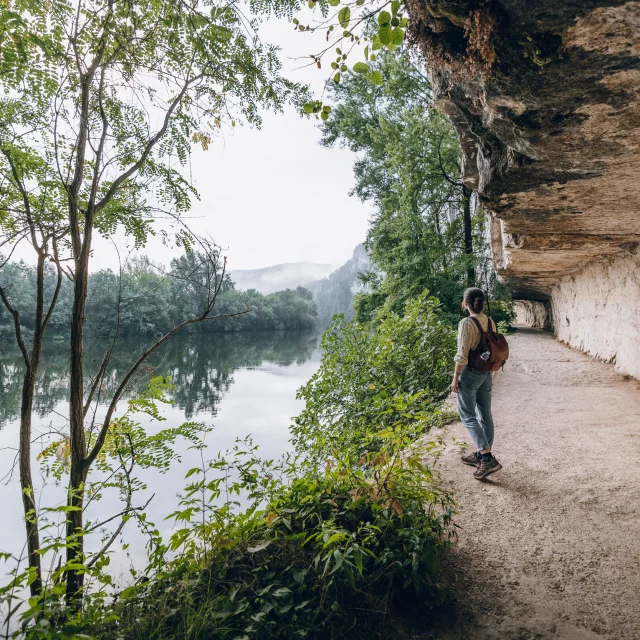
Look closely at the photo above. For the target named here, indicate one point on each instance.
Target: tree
(103, 102)
(424, 228)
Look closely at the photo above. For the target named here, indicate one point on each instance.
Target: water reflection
(200, 366)
(247, 381)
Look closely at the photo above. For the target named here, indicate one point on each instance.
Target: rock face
(597, 310)
(335, 293)
(533, 313)
(546, 99)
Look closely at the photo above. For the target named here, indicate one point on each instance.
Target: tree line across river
(145, 300)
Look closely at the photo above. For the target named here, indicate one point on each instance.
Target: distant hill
(281, 276)
(335, 293)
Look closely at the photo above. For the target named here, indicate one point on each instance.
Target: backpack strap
(490, 324)
(477, 323)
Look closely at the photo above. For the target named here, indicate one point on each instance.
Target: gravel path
(550, 546)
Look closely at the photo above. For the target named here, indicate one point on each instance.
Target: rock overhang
(549, 124)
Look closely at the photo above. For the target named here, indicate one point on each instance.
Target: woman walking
(474, 387)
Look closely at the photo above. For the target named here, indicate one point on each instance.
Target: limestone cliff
(546, 99)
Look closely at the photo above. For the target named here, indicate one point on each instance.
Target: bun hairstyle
(474, 299)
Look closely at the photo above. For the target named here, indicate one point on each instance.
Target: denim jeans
(474, 406)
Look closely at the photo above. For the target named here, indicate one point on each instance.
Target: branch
(25, 199)
(17, 327)
(115, 185)
(54, 299)
(116, 533)
(118, 394)
(100, 151)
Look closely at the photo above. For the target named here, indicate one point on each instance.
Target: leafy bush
(318, 553)
(370, 377)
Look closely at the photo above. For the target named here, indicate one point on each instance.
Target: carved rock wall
(533, 313)
(597, 310)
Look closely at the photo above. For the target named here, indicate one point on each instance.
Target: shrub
(318, 553)
(370, 377)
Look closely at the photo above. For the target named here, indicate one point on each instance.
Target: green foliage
(409, 168)
(319, 545)
(145, 301)
(371, 378)
(159, 77)
(317, 553)
(128, 448)
(363, 26)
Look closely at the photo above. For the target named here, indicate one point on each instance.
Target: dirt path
(550, 547)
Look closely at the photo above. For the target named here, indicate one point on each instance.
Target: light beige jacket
(469, 336)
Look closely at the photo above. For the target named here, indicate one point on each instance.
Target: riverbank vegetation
(427, 231)
(145, 300)
(338, 538)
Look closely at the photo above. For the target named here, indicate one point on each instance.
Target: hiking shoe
(472, 459)
(486, 469)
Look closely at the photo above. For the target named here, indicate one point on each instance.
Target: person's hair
(474, 298)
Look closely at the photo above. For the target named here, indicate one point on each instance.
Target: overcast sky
(272, 195)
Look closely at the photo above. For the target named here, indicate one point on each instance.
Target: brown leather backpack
(492, 350)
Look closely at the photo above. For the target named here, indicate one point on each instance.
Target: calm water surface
(241, 384)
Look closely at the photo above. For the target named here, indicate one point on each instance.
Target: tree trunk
(78, 473)
(26, 482)
(441, 243)
(468, 236)
(26, 408)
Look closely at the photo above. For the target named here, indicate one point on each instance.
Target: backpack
(492, 350)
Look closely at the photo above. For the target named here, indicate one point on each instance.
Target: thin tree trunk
(26, 408)
(78, 472)
(26, 482)
(441, 243)
(468, 235)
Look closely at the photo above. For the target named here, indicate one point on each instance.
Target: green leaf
(376, 43)
(308, 107)
(344, 17)
(384, 18)
(376, 77)
(361, 67)
(366, 52)
(395, 6)
(333, 3)
(324, 115)
(384, 33)
(336, 78)
(397, 36)
(357, 558)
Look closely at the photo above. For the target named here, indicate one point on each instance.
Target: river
(240, 384)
